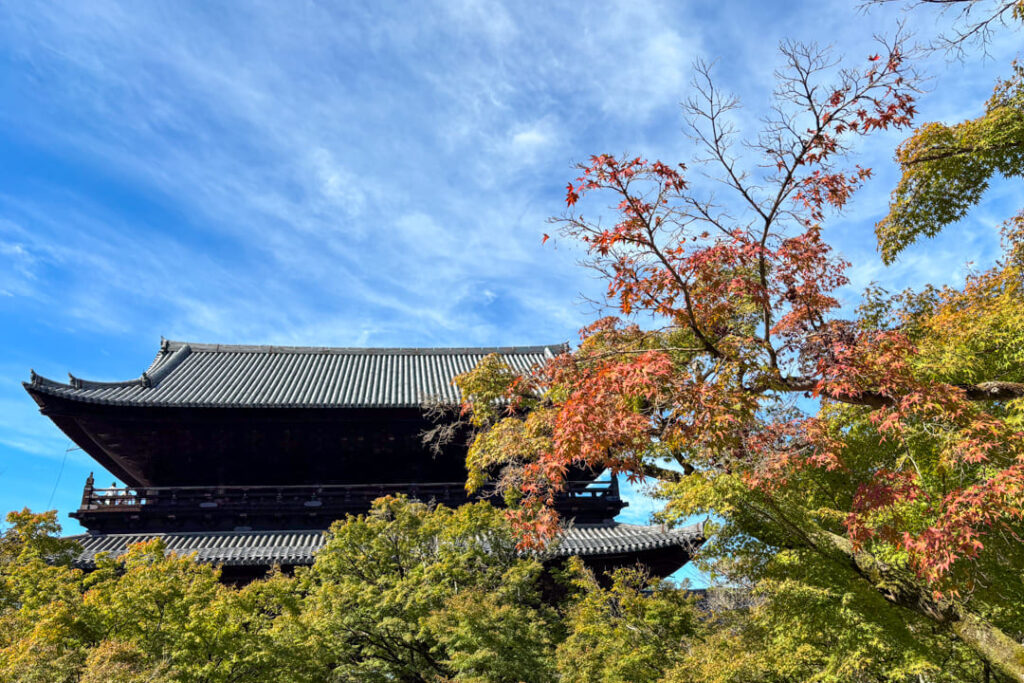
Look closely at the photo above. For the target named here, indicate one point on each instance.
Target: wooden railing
(348, 496)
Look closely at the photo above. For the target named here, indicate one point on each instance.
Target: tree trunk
(1001, 652)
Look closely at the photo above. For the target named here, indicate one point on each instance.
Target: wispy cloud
(329, 173)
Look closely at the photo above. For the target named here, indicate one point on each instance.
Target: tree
(413, 593)
(408, 592)
(635, 630)
(39, 601)
(946, 169)
(975, 22)
(146, 616)
(874, 452)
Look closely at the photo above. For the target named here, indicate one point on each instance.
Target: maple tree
(414, 593)
(864, 470)
(406, 592)
(886, 445)
(974, 23)
(633, 630)
(147, 616)
(411, 592)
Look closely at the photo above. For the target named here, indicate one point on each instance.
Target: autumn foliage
(888, 440)
(746, 306)
(862, 469)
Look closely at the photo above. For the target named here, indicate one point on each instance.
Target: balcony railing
(354, 497)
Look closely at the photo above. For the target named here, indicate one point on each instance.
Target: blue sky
(361, 174)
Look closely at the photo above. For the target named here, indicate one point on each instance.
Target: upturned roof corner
(223, 375)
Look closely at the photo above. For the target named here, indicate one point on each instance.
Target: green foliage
(813, 628)
(490, 636)
(976, 333)
(410, 593)
(512, 441)
(488, 388)
(947, 168)
(812, 615)
(407, 592)
(807, 615)
(147, 616)
(414, 593)
(633, 631)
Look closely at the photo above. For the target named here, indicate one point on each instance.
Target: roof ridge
(169, 361)
(367, 350)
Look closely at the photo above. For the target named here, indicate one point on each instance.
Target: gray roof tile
(609, 539)
(217, 375)
(254, 548)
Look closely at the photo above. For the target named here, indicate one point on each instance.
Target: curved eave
(68, 424)
(265, 548)
(71, 394)
(585, 540)
(185, 375)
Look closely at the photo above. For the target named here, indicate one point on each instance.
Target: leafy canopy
(869, 465)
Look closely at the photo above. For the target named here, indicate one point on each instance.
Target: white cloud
(338, 185)
(326, 173)
(488, 18)
(652, 79)
(530, 139)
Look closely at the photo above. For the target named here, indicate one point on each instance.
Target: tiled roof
(217, 375)
(264, 548)
(221, 547)
(614, 538)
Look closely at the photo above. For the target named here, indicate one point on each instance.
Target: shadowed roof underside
(217, 375)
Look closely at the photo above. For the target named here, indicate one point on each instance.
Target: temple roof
(185, 374)
(248, 548)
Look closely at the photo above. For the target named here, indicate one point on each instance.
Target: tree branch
(653, 471)
(993, 391)
(982, 391)
(950, 152)
(900, 588)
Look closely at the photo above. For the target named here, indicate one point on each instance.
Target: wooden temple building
(244, 455)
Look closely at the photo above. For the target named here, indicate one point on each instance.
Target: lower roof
(266, 548)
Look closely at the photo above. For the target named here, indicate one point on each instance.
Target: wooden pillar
(87, 492)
